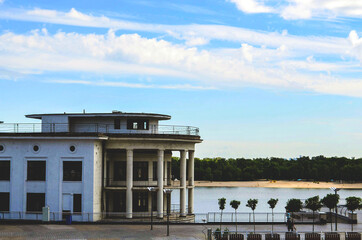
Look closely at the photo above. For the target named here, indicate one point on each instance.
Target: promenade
(116, 231)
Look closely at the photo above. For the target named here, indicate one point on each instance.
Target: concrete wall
(54, 152)
(56, 123)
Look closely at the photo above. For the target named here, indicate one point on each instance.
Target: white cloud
(112, 55)
(251, 6)
(303, 9)
(193, 34)
(356, 42)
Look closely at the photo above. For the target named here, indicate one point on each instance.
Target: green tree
(222, 202)
(235, 204)
(293, 205)
(330, 201)
(252, 204)
(272, 203)
(352, 204)
(313, 204)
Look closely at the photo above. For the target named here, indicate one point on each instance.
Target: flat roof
(101, 115)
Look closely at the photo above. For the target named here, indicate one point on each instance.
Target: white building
(93, 163)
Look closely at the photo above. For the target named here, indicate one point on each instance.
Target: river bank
(279, 184)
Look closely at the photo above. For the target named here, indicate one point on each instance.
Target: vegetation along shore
(312, 169)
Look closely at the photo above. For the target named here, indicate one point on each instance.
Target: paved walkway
(114, 231)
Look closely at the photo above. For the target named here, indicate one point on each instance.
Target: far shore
(279, 184)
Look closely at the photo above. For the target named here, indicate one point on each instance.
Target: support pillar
(191, 182)
(160, 157)
(129, 183)
(183, 183)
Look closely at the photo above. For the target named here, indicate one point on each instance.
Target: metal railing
(95, 128)
(210, 217)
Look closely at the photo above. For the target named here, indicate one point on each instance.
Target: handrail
(96, 128)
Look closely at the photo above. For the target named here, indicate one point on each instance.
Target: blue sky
(260, 78)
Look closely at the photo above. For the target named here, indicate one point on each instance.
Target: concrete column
(129, 180)
(191, 182)
(183, 183)
(160, 156)
(105, 181)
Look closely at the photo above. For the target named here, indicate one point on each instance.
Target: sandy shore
(279, 184)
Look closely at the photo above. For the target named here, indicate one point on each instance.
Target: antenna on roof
(83, 111)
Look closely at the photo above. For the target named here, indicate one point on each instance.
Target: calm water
(206, 198)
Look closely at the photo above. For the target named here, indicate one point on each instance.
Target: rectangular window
(117, 123)
(140, 171)
(140, 201)
(137, 124)
(119, 171)
(35, 202)
(154, 168)
(77, 203)
(36, 170)
(72, 171)
(4, 202)
(4, 170)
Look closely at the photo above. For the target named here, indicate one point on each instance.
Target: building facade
(94, 165)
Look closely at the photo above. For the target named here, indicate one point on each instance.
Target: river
(206, 198)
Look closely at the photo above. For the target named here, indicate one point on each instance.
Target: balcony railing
(95, 128)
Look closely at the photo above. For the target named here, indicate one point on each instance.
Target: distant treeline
(240, 169)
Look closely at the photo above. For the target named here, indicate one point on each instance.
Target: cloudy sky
(260, 78)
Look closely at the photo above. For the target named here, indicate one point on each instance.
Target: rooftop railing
(96, 128)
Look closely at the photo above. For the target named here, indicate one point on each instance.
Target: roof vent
(116, 111)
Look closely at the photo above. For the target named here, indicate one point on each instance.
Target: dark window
(119, 201)
(140, 201)
(5, 170)
(117, 123)
(2, 148)
(35, 202)
(72, 171)
(36, 170)
(137, 124)
(154, 166)
(77, 203)
(119, 171)
(140, 171)
(4, 202)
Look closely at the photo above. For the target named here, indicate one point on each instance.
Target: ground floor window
(140, 201)
(117, 200)
(4, 201)
(77, 203)
(35, 202)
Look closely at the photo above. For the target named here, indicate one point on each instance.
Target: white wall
(54, 152)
